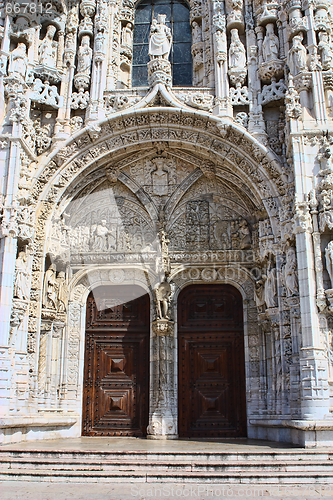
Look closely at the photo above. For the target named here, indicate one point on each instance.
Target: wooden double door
(116, 372)
(211, 376)
(211, 368)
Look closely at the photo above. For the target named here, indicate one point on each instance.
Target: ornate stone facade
(228, 180)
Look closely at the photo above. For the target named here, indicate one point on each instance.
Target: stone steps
(280, 467)
(174, 477)
(125, 465)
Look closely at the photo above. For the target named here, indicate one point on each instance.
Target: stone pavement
(101, 444)
(21, 490)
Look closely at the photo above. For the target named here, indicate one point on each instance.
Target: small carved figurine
(48, 48)
(297, 57)
(18, 62)
(21, 288)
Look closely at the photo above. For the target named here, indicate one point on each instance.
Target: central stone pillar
(163, 415)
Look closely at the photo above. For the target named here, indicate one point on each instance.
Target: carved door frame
(88, 279)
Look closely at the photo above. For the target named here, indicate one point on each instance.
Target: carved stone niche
(297, 22)
(235, 17)
(321, 19)
(267, 13)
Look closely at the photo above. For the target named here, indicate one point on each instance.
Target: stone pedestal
(159, 71)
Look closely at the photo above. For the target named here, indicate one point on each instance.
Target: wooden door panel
(115, 398)
(211, 363)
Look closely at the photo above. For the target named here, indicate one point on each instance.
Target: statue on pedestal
(159, 39)
(325, 50)
(297, 56)
(237, 55)
(47, 53)
(270, 46)
(21, 288)
(84, 56)
(18, 62)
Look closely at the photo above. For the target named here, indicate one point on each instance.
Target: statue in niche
(325, 50)
(84, 56)
(329, 260)
(290, 273)
(99, 237)
(62, 292)
(18, 62)
(163, 294)
(127, 35)
(159, 178)
(270, 290)
(196, 32)
(159, 39)
(164, 240)
(100, 42)
(297, 56)
(47, 53)
(270, 46)
(259, 293)
(237, 55)
(50, 288)
(21, 288)
(244, 235)
(220, 39)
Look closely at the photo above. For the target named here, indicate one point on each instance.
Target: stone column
(313, 364)
(317, 78)
(163, 414)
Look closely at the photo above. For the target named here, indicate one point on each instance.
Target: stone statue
(159, 39)
(18, 62)
(160, 178)
(84, 56)
(237, 55)
(297, 57)
(196, 32)
(163, 294)
(244, 235)
(290, 273)
(259, 293)
(50, 288)
(270, 46)
(100, 235)
(100, 42)
(127, 35)
(325, 50)
(21, 288)
(62, 292)
(270, 287)
(329, 260)
(221, 46)
(47, 54)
